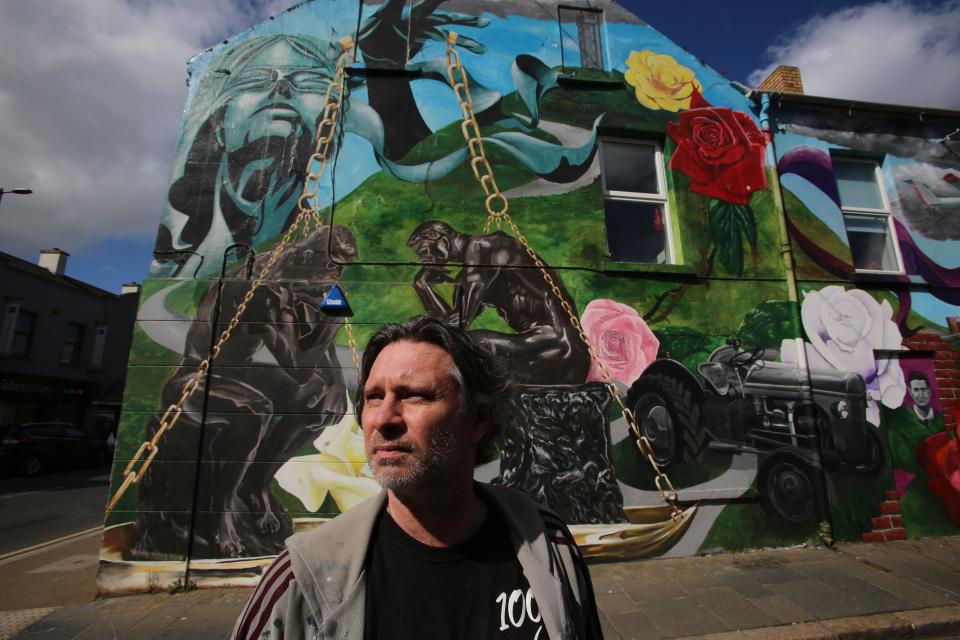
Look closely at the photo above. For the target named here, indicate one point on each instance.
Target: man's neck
(438, 518)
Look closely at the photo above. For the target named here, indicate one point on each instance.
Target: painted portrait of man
(918, 388)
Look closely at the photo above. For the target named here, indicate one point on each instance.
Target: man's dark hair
(918, 375)
(484, 384)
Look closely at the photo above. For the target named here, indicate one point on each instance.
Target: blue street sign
(335, 302)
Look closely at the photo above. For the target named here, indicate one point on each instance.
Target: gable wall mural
(871, 199)
(648, 186)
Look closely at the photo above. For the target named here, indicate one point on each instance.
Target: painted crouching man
(495, 565)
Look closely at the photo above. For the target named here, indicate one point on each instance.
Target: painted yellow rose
(660, 81)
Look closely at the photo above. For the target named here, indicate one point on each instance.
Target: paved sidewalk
(894, 590)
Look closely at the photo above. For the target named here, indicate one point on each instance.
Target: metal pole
(214, 327)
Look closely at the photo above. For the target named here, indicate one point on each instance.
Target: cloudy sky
(91, 94)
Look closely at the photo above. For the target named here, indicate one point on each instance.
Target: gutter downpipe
(789, 268)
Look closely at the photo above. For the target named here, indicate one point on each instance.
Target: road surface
(48, 506)
(42, 563)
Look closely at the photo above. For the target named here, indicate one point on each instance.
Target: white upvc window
(635, 201)
(866, 215)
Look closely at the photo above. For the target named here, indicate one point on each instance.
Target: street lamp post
(19, 190)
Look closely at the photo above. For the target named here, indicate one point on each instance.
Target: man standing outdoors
(435, 555)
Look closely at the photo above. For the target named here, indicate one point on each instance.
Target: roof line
(847, 103)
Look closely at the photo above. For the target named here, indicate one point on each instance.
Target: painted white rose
(339, 469)
(845, 329)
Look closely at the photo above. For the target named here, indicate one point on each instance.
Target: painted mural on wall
(890, 221)
(708, 349)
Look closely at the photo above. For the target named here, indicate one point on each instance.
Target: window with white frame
(635, 201)
(866, 215)
(581, 42)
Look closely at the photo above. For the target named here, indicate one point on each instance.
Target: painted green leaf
(681, 342)
(769, 324)
(730, 225)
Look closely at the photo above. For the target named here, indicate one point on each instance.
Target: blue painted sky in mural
(98, 161)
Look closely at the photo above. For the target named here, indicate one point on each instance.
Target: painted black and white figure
(256, 417)
(497, 273)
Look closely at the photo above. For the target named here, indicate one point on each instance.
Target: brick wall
(945, 367)
(785, 79)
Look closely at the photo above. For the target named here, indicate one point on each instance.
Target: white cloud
(91, 96)
(891, 52)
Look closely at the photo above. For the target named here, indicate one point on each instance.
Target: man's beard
(427, 465)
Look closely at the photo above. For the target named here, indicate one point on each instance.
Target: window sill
(884, 277)
(596, 78)
(609, 266)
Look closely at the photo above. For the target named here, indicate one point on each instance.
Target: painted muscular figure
(498, 273)
(257, 416)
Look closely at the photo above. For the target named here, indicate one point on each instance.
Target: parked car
(795, 424)
(35, 446)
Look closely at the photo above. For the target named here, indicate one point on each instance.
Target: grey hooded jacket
(317, 587)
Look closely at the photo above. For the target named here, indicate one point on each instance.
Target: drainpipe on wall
(789, 268)
(783, 237)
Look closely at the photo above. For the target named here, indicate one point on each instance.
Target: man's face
(920, 392)
(414, 429)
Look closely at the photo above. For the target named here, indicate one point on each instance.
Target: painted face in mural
(415, 429)
(432, 244)
(280, 93)
(920, 392)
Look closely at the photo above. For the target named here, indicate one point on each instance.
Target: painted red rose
(722, 151)
(940, 456)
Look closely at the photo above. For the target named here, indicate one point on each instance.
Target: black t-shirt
(473, 590)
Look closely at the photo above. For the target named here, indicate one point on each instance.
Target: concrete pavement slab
(915, 595)
(614, 603)
(646, 588)
(782, 609)
(743, 584)
(733, 609)
(631, 626)
(683, 616)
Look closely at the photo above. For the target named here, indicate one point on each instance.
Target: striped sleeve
(262, 617)
(572, 570)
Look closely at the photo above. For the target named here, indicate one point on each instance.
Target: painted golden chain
(478, 158)
(308, 209)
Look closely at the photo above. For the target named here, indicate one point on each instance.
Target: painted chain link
(307, 209)
(498, 214)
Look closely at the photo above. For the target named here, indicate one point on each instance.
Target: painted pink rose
(621, 337)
